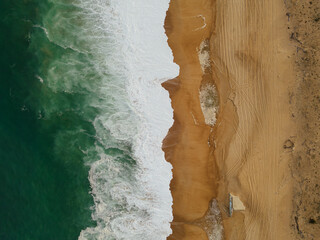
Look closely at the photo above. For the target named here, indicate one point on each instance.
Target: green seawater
(44, 128)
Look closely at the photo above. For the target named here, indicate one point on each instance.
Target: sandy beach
(186, 146)
(255, 149)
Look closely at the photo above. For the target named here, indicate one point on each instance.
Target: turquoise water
(47, 134)
(44, 192)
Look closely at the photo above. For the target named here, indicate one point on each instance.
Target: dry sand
(256, 145)
(304, 29)
(251, 51)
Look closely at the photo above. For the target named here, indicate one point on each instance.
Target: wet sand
(251, 151)
(186, 146)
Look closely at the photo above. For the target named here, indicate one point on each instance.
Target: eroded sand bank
(188, 23)
(249, 151)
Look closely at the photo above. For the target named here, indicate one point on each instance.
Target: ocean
(83, 118)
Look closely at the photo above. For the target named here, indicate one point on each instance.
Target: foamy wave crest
(128, 42)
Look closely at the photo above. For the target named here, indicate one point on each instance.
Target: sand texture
(304, 30)
(262, 146)
(251, 51)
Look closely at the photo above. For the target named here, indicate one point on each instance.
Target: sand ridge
(251, 49)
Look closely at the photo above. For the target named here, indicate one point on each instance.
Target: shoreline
(249, 152)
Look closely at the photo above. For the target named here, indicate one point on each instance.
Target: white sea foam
(133, 47)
